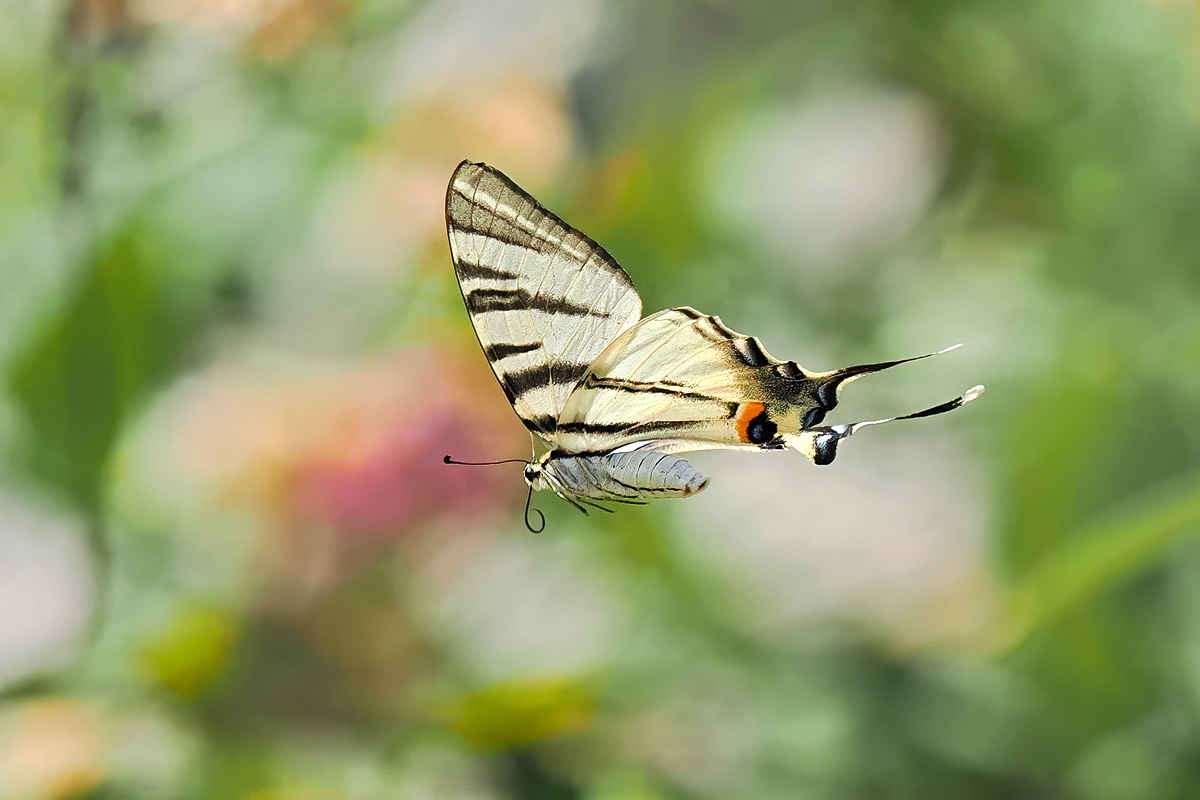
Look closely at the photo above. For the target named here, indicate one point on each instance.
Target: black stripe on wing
(751, 352)
(790, 370)
(480, 301)
(459, 213)
(467, 215)
(670, 388)
(466, 269)
(522, 381)
(748, 349)
(544, 424)
(631, 426)
(499, 350)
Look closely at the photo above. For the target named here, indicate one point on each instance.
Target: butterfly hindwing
(683, 376)
(544, 299)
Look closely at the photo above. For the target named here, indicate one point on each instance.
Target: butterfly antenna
(449, 460)
(542, 517)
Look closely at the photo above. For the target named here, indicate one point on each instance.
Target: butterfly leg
(557, 487)
(594, 504)
(573, 502)
(625, 501)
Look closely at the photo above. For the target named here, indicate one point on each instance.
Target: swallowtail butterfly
(611, 398)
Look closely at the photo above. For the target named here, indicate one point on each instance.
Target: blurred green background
(232, 564)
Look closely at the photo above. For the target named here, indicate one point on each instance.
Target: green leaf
(78, 379)
(1119, 545)
(1058, 444)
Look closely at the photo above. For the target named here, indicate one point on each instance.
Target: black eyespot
(813, 418)
(827, 395)
(825, 447)
(760, 429)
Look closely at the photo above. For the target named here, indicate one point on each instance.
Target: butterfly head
(533, 475)
(536, 472)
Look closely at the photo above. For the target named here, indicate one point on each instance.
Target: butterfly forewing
(544, 299)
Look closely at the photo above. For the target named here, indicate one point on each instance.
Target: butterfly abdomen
(643, 473)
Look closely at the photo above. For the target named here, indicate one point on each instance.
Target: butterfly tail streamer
(832, 382)
(820, 444)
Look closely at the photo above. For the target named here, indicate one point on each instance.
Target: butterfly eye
(530, 473)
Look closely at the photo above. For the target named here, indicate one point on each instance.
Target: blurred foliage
(506, 715)
(233, 355)
(90, 368)
(190, 654)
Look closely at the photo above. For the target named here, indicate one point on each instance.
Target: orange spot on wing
(749, 412)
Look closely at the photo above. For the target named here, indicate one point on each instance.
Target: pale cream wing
(684, 377)
(545, 300)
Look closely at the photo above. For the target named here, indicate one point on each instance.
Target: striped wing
(684, 377)
(545, 300)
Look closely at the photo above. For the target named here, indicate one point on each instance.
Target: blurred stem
(1094, 558)
(82, 31)
(101, 550)
(74, 60)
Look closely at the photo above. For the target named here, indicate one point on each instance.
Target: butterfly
(610, 398)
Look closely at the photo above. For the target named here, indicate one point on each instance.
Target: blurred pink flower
(386, 479)
(338, 461)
